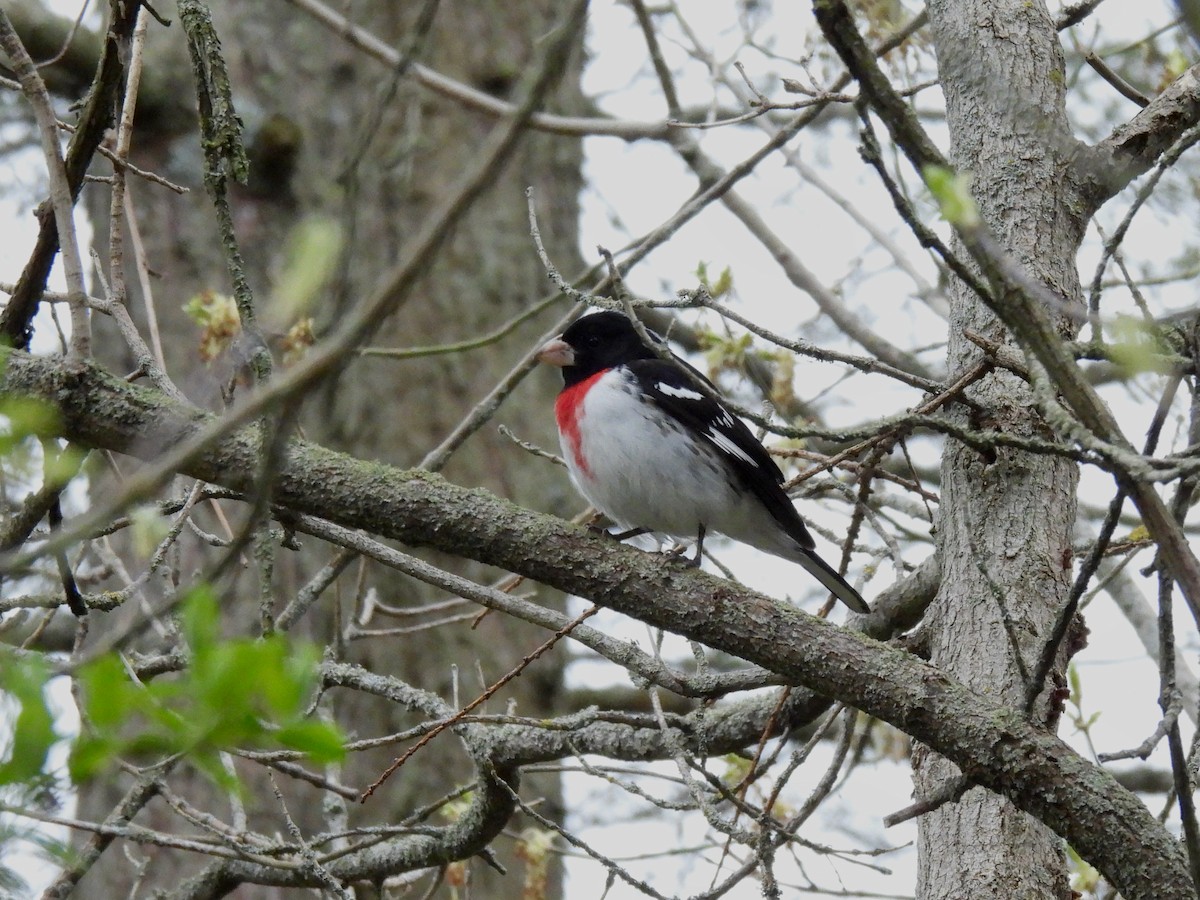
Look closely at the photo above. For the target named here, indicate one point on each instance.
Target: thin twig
(117, 205)
(393, 291)
(960, 384)
(949, 792)
(61, 196)
(1092, 563)
(1123, 87)
(483, 697)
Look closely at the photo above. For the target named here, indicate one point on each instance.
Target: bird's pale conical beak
(557, 352)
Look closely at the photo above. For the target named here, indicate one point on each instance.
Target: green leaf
(235, 693)
(319, 740)
(289, 694)
(62, 463)
(210, 764)
(24, 417)
(90, 755)
(33, 731)
(200, 622)
(311, 254)
(718, 288)
(1135, 347)
(105, 688)
(148, 527)
(952, 191)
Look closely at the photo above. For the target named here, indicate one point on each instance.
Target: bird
(646, 445)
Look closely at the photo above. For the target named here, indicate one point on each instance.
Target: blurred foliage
(242, 692)
(28, 720)
(535, 848)
(1135, 346)
(1084, 878)
(952, 191)
(218, 318)
(235, 693)
(311, 254)
(28, 449)
(298, 339)
(718, 287)
(147, 528)
(723, 352)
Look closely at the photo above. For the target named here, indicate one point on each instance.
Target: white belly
(643, 472)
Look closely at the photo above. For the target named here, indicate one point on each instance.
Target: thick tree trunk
(1004, 533)
(333, 133)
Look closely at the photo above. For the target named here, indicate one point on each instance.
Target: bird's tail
(830, 579)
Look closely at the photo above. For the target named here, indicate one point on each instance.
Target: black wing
(677, 394)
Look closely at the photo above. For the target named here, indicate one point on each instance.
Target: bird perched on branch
(650, 447)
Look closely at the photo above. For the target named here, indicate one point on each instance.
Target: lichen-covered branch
(995, 746)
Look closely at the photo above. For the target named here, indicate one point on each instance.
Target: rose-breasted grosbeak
(645, 446)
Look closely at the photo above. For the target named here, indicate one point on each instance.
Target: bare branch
(95, 120)
(995, 747)
(1134, 147)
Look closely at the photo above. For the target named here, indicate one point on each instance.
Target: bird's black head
(595, 343)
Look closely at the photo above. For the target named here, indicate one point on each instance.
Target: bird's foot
(677, 552)
(617, 535)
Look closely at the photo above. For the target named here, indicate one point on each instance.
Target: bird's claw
(677, 552)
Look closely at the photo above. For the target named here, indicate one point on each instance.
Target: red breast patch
(567, 410)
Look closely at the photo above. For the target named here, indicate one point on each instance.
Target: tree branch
(995, 746)
(491, 808)
(1017, 299)
(94, 121)
(1133, 148)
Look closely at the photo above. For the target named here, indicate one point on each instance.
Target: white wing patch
(724, 443)
(681, 392)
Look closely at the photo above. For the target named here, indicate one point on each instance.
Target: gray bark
(333, 133)
(1006, 519)
(995, 745)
